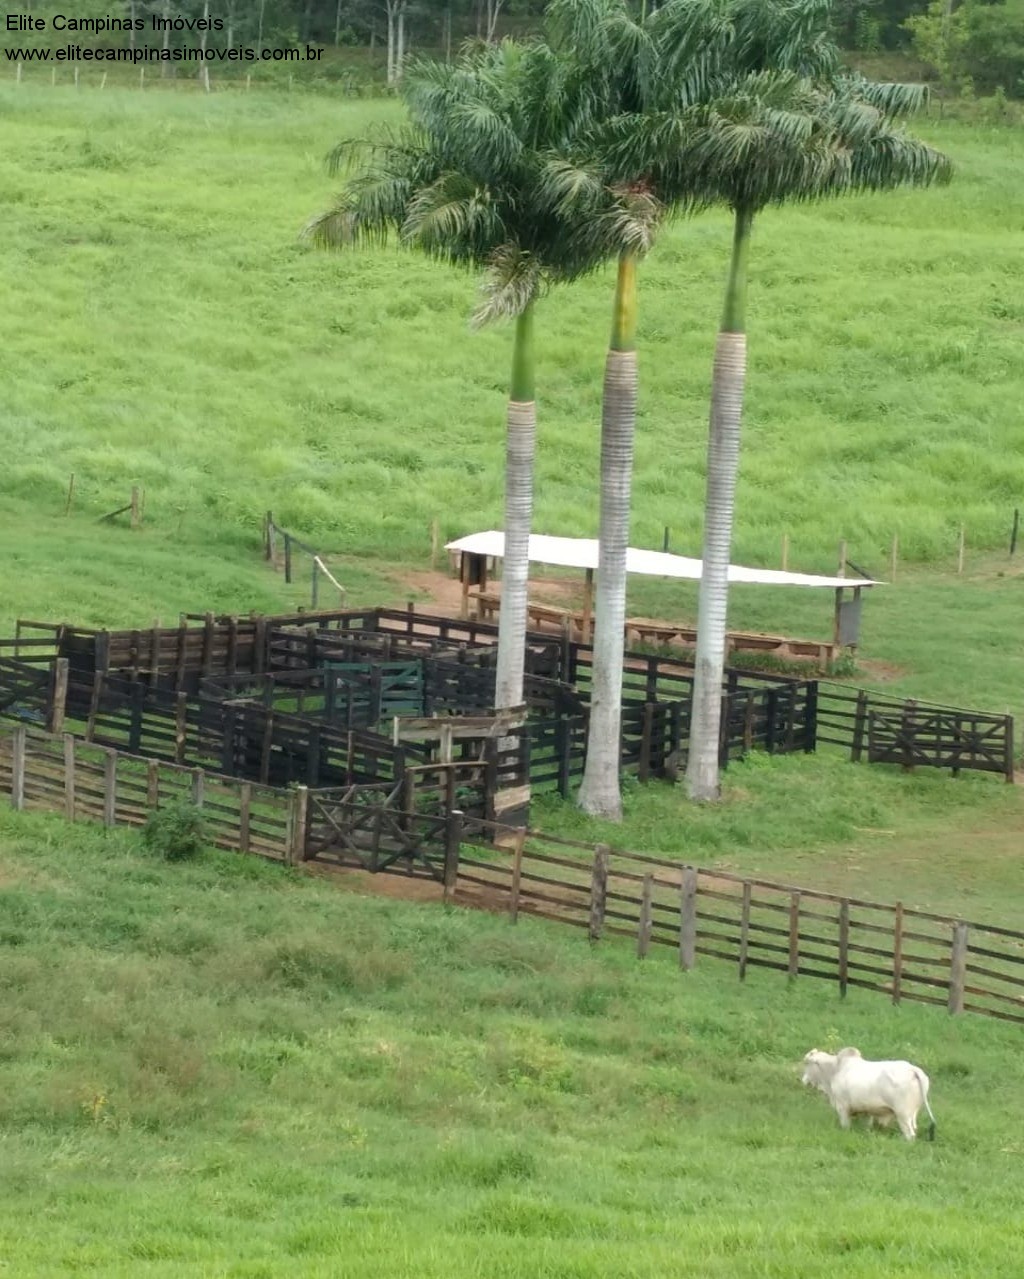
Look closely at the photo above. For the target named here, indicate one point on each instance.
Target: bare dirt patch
(879, 672)
(443, 593)
(414, 888)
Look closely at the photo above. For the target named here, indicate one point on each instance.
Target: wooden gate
(371, 827)
(360, 694)
(941, 739)
(24, 690)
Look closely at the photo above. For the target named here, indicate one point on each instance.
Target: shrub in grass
(176, 832)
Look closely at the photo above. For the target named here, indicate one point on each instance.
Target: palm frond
(453, 219)
(571, 188)
(514, 278)
(370, 208)
(892, 100)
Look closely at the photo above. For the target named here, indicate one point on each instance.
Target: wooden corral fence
(356, 669)
(886, 730)
(894, 950)
(774, 712)
(413, 829)
(83, 781)
(248, 739)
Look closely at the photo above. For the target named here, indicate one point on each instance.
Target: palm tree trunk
(599, 792)
(723, 468)
(520, 446)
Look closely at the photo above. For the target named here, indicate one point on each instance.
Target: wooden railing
(904, 953)
(759, 710)
(82, 781)
(901, 952)
(887, 730)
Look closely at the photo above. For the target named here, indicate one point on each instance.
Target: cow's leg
(844, 1116)
(908, 1126)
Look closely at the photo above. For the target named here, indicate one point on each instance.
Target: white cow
(883, 1090)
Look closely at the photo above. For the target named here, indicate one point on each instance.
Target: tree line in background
(968, 45)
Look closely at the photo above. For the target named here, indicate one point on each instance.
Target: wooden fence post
(206, 666)
(958, 968)
(287, 558)
(811, 717)
(744, 928)
(94, 705)
(153, 785)
(179, 666)
(58, 701)
(844, 946)
(794, 934)
(894, 556)
(897, 955)
(452, 846)
(563, 745)
(198, 787)
(643, 931)
(69, 776)
(860, 717)
(298, 808)
(109, 788)
(748, 722)
(598, 891)
(154, 654)
(688, 919)
(723, 731)
(18, 768)
(244, 812)
(135, 518)
(907, 731)
(180, 713)
(517, 876)
(644, 771)
(1008, 749)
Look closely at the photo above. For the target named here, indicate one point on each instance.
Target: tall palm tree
(776, 139)
(646, 73)
(626, 61)
(631, 224)
(746, 102)
(464, 182)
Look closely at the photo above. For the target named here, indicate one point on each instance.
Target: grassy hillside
(229, 1069)
(163, 324)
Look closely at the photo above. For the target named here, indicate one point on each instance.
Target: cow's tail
(922, 1080)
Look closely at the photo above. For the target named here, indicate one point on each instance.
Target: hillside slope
(163, 324)
(230, 1069)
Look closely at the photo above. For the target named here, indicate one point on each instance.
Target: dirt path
(411, 888)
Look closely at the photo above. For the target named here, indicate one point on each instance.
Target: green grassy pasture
(228, 1069)
(163, 324)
